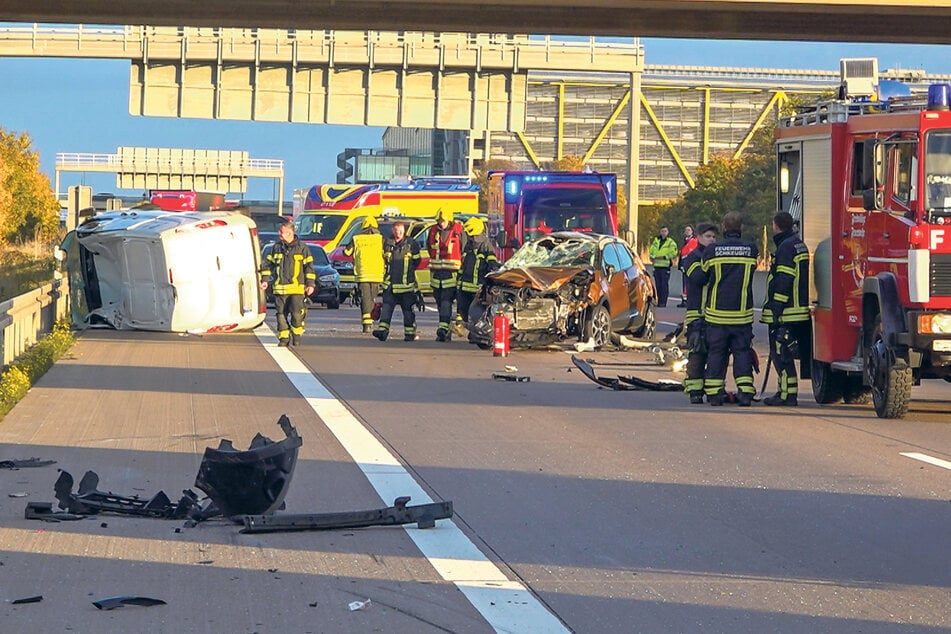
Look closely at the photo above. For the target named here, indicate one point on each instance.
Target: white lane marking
(938, 462)
(506, 605)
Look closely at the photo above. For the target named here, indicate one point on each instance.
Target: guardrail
(26, 317)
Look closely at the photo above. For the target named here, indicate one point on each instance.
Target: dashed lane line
(506, 605)
(938, 462)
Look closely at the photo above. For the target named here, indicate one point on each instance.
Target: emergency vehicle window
(863, 165)
(903, 172)
(938, 171)
(790, 182)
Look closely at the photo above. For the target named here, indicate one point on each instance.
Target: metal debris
(423, 515)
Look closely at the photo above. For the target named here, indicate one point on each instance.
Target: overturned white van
(157, 270)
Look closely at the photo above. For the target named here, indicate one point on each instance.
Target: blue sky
(70, 105)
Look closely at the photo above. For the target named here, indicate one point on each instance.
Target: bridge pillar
(80, 198)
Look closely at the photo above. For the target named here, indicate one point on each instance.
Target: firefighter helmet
(442, 214)
(474, 226)
(370, 223)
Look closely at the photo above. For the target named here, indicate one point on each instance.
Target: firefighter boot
(442, 334)
(696, 398)
(381, 333)
(716, 399)
(295, 339)
(778, 401)
(743, 399)
(283, 342)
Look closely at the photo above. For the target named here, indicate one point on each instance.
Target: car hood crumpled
(541, 278)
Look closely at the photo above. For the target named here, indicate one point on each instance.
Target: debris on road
(246, 486)
(627, 382)
(25, 464)
(358, 605)
(117, 602)
(517, 378)
(44, 511)
(253, 481)
(35, 599)
(423, 515)
(89, 500)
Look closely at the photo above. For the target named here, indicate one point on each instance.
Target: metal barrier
(26, 317)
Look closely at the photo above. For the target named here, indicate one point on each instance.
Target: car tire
(598, 326)
(648, 329)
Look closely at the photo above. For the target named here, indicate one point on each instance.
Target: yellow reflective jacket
(367, 251)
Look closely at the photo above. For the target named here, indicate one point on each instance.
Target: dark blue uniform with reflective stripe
(787, 305)
(728, 311)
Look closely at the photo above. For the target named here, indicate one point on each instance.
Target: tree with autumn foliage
(28, 208)
(746, 184)
(481, 178)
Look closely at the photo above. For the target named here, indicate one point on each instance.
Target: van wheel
(889, 377)
(598, 326)
(826, 383)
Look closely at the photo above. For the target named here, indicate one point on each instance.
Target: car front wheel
(598, 326)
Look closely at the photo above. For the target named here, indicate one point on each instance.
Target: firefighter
(290, 269)
(786, 309)
(663, 250)
(690, 243)
(694, 281)
(728, 312)
(478, 258)
(366, 248)
(445, 242)
(401, 255)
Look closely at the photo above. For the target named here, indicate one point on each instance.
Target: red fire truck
(187, 200)
(869, 180)
(526, 205)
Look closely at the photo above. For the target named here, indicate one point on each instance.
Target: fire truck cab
(523, 206)
(869, 181)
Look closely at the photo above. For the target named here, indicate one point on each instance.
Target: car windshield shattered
(553, 251)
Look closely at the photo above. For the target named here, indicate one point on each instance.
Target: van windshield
(319, 226)
(564, 209)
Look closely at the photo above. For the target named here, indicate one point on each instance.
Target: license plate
(346, 286)
(941, 345)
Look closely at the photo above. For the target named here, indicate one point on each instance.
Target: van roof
(156, 221)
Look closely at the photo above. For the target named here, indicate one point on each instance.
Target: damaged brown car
(567, 285)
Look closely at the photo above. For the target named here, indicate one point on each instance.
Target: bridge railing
(26, 317)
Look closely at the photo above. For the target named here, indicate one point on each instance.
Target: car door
(615, 277)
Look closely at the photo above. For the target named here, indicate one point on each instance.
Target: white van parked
(149, 269)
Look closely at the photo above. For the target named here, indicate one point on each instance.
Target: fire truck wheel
(598, 326)
(826, 383)
(889, 377)
(855, 392)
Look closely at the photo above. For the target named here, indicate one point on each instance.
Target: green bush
(17, 379)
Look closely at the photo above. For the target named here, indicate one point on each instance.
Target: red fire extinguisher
(501, 326)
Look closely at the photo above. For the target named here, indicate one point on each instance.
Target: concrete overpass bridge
(911, 21)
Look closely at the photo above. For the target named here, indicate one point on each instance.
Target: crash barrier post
(25, 317)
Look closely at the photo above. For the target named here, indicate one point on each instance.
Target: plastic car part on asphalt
(253, 481)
